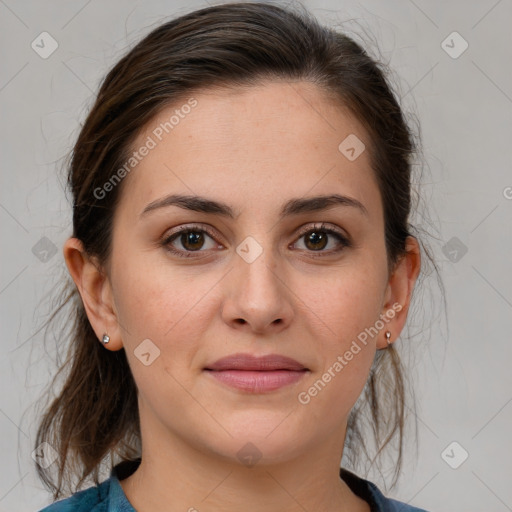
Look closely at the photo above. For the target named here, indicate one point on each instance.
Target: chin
(267, 440)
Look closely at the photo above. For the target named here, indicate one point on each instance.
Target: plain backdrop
(450, 62)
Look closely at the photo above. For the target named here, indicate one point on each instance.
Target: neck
(178, 476)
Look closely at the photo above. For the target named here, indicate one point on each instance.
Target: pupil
(191, 238)
(316, 238)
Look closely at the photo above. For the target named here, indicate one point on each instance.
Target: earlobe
(95, 290)
(399, 291)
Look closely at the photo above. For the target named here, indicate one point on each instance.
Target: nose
(257, 298)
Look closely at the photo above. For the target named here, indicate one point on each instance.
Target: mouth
(257, 374)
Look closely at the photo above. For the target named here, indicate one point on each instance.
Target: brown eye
(188, 240)
(192, 240)
(316, 240)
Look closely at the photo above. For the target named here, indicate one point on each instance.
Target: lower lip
(257, 381)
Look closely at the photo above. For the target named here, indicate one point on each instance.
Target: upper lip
(262, 363)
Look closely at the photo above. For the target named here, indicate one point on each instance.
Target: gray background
(460, 367)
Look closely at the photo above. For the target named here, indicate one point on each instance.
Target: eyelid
(331, 229)
(319, 226)
(324, 226)
(190, 227)
(184, 228)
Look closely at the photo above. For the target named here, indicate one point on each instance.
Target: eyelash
(166, 242)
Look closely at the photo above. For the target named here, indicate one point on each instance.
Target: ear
(95, 289)
(399, 290)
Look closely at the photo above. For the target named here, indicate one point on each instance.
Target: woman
(244, 263)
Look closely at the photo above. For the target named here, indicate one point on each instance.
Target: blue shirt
(109, 496)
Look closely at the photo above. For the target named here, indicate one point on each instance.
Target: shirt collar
(118, 502)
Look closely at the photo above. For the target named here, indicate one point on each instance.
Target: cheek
(155, 305)
(166, 311)
(342, 314)
(344, 304)
(165, 304)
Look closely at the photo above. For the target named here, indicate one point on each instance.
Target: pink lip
(257, 374)
(242, 361)
(257, 381)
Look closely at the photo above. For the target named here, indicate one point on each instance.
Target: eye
(191, 238)
(317, 238)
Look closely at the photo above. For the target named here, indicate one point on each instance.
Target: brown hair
(239, 44)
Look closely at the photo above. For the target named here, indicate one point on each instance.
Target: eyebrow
(292, 207)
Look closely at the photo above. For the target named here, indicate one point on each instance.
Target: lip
(257, 374)
(257, 382)
(248, 362)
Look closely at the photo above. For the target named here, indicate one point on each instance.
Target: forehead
(254, 144)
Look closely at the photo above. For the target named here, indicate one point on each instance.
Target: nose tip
(256, 297)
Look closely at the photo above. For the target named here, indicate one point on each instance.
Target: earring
(106, 338)
(388, 335)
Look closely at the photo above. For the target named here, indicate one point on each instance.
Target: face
(275, 276)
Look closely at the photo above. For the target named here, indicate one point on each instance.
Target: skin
(253, 149)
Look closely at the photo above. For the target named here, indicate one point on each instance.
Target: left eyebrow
(291, 207)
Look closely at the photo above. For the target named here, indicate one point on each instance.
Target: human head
(185, 58)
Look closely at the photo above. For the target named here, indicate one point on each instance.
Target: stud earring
(106, 338)
(388, 335)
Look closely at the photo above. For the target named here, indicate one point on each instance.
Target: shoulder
(93, 499)
(369, 492)
(107, 496)
(389, 504)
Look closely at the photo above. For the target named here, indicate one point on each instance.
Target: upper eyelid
(321, 226)
(301, 231)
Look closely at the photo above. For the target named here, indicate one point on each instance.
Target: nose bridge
(258, 266)
(257, 293)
